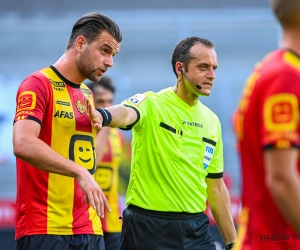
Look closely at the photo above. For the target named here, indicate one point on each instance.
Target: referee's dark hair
(181, 52)
(105, 82)
(91, 25)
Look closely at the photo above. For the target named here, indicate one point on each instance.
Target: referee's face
(103, 98)
(201, 69)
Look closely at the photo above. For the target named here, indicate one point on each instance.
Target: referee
(177, 158)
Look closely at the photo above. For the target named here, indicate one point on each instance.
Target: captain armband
(106, 117)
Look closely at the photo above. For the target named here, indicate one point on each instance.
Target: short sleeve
(141, 104)
(279, 112)
(216, 166)
(31, 100)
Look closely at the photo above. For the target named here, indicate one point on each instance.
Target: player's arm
(219, 202)
(283, 181)
(28, 147)
(120, 116)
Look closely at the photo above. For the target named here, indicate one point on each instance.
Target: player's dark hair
(287, 12)
(105, 82)
(181, 52)
(91, 25)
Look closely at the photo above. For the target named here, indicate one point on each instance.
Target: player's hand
(95, 116)
(94, 194)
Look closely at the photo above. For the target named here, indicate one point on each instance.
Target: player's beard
(86, 68)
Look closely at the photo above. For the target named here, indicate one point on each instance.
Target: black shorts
(150, 230)
(112, 241)
(61, 242)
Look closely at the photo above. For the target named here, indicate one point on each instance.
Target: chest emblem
(80, 107)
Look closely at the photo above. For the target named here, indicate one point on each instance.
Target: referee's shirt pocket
(169, 141)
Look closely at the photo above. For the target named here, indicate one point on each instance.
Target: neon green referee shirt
(174, 148)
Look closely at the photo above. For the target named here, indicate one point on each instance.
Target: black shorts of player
(61, 242)
(112, 241)
(144, 230)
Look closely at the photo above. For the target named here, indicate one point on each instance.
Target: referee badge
(209, 152)
(137, 99)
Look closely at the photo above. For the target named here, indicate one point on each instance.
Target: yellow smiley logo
(104, 176)
(81, 151)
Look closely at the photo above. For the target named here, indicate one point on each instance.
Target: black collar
(71, 84)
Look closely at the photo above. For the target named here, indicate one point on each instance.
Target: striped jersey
(49, 203)
(107, 176)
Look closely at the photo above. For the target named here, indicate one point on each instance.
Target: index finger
(88, 106)
(90, 199)
(106, 204)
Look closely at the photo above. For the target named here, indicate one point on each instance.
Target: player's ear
(79, 43)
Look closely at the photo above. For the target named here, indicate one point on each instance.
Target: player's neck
(291, 40)
(67, 67)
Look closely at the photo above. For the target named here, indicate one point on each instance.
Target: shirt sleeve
(31, 100)
(141, 104)
(279, 112)
(214, 150)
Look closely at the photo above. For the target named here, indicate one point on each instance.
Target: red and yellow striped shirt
(49, 203)
(107, 176)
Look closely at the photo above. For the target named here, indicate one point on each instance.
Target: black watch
(229, 246)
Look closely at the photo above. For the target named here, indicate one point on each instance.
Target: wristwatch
(229, 246)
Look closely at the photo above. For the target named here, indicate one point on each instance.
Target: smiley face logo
(81, 151)
(104, 176)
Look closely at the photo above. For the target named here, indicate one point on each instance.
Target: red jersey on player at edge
(268, 117)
